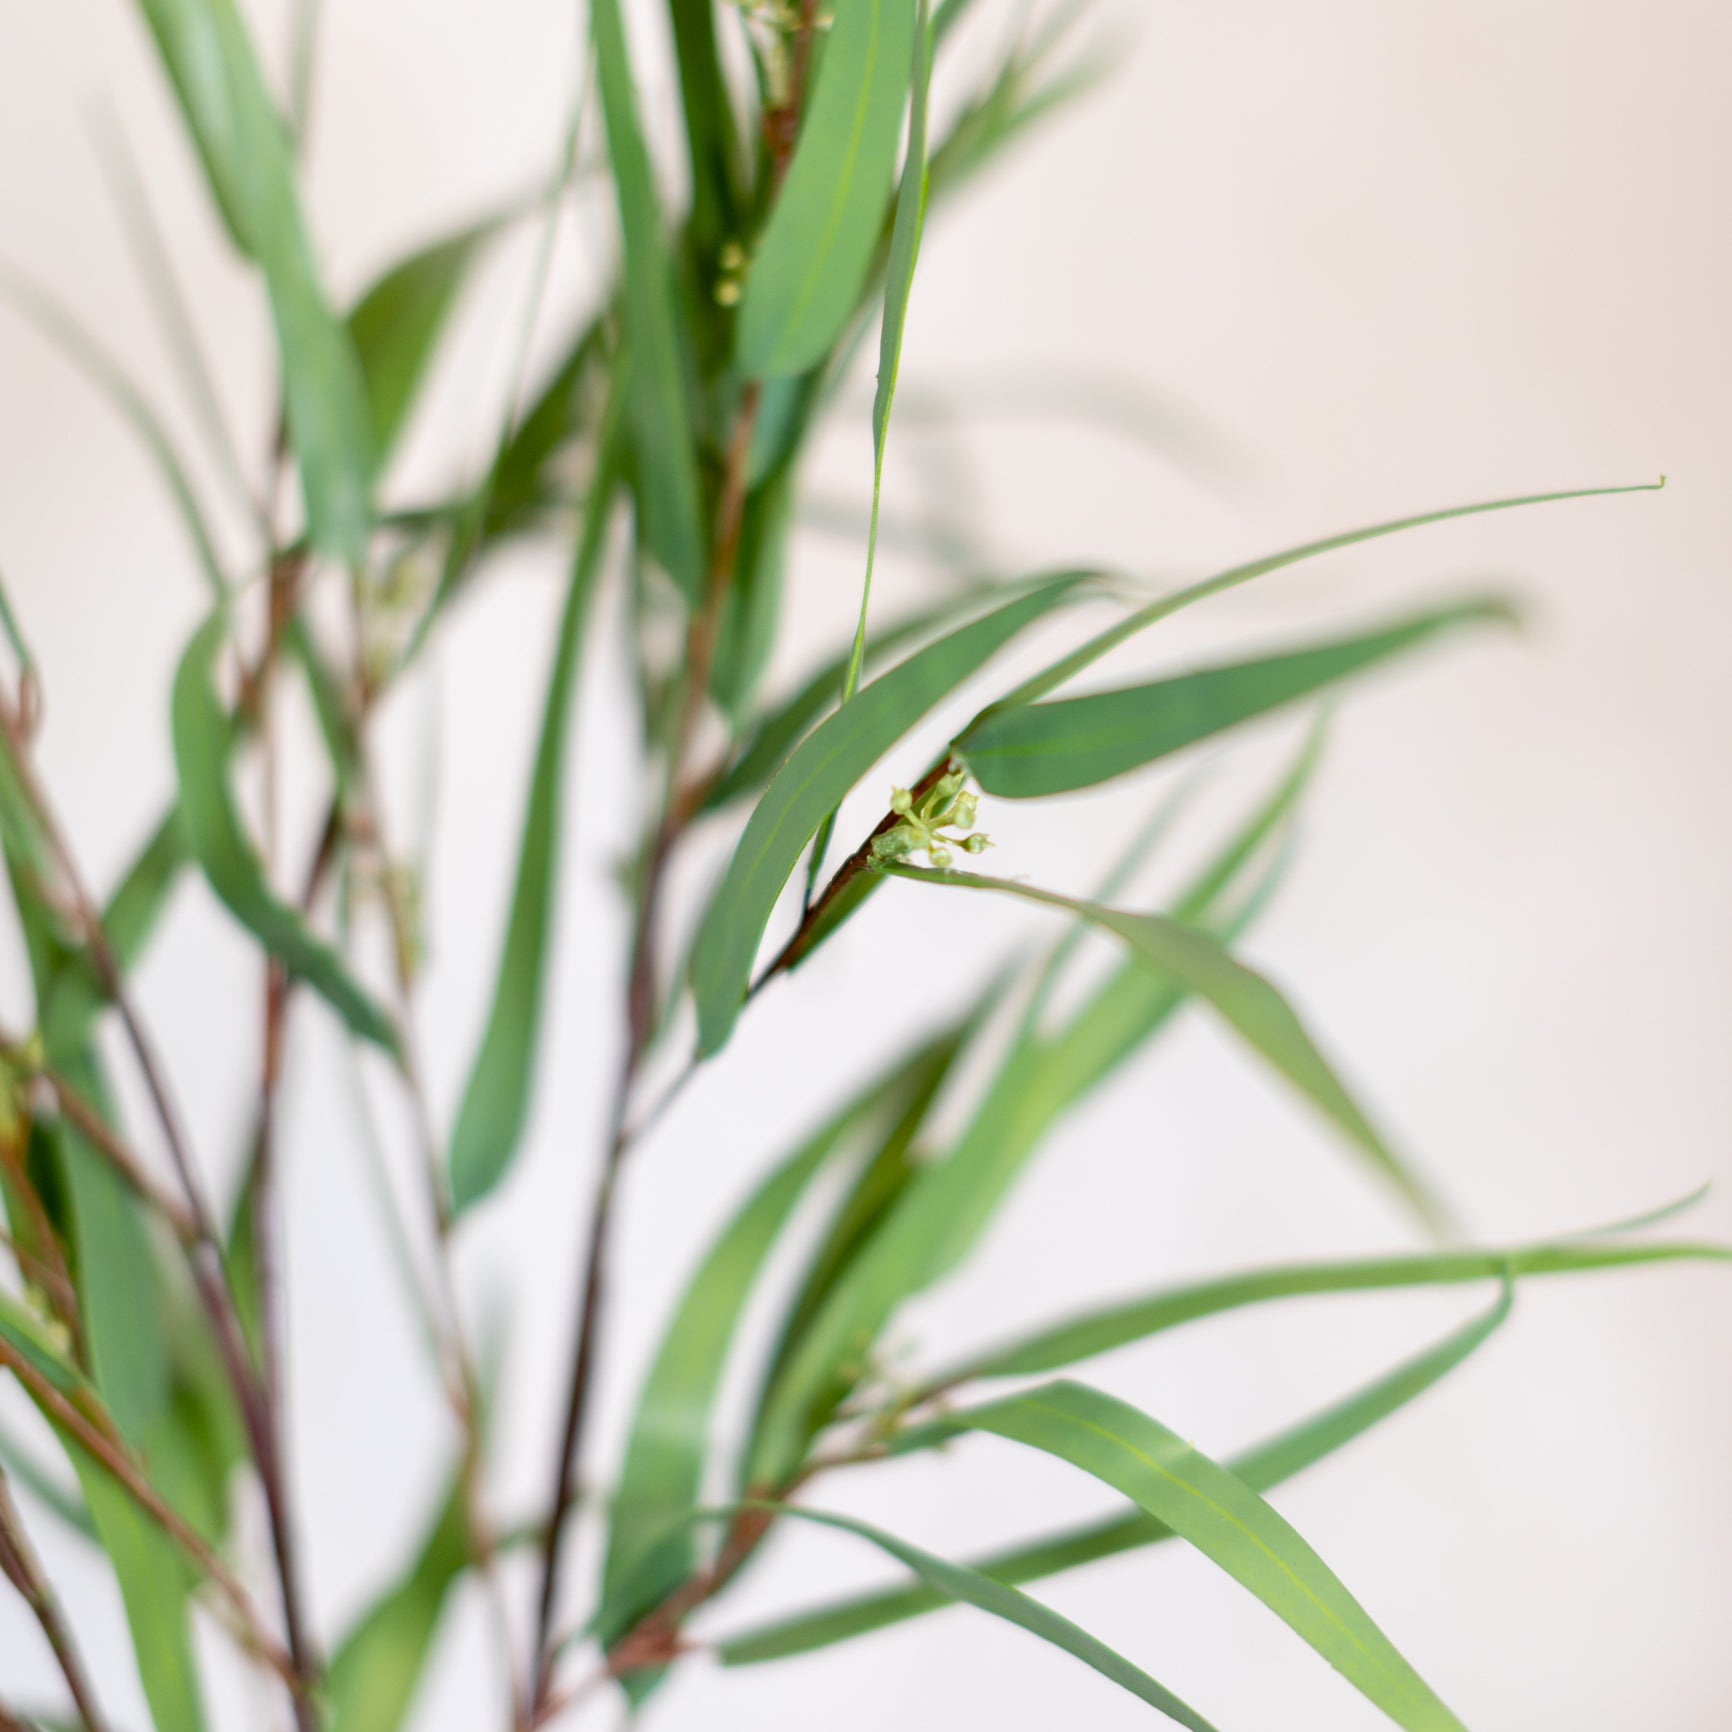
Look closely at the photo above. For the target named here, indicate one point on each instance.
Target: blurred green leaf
(1068, 666)
(1226, 1520)
(810, 264)
(1262, 1467)
(959, 1583)
(203, 736)
(45, 312)
(661, 412)
(813, 780)
(247, 157)
(67, 1504)
(396, 325)
(373, 1674)
(712, 134)
(1245, 1000)
(1054, 747)
(495, 1106)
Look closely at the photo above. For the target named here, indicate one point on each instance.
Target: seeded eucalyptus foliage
(662, 452)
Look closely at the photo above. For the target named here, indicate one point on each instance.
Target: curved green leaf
(957, 1582)
(1246, 1000)
(1227, 1521)
(1028, 750)
(813, 780)
(805, 278)
(203, 735)
(661, 414)
(248, 160)
(371, 1682)
(396, 325)
(1264, 1466)
(495, 1107)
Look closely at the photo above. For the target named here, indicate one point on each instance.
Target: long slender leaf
(495, 1107)
(1068, 666)
(959, 1583)
(712, 134)
(813, 780)
(1248, 1002)
(247, 157)
(374, 1672)
(661, 415)
(1227, 1521)
(1266, 1465)
(1100, 1331)
(45, 312)
(203, 736)
(1054, 747)
(806, 276)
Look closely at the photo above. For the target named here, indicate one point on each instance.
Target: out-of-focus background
(1327, 263)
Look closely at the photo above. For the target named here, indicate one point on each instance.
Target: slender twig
(680, 804)
(18, 1563)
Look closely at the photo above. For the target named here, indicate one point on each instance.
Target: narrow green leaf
(373, 1674)
(899, 283)
(1068, 666)
(203, 736)
(1225, 1520)
(1100, 1331)
(806, 276)
(1248, 1002)
(397, 323)
(1262, 1467)
(950, 1202)
(45, 312)
(1054, 747)
(247, 157)
(495, 1106)
(813, 780)
(66, 1503)
(712, 134)
(28, 1335)
(661, 413)
(965, 1586)
(662, 1479)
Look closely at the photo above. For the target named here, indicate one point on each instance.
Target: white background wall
(1397, 257)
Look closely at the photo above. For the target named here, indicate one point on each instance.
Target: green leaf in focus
(805, 278)
(966, 1586)
(247, 157)
(372, 1677)
(1227, 1521)
(1051, 748)
(1262, 1467)
(1248, 1002)
(812, 782)
(661, 413)
(495, 1106)
(203, 736)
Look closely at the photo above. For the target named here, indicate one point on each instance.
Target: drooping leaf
(813, 780)
(397, 323)
(495, 1106)
(1100, 1331)
(247, 157)
(1067, 743)
(1068, 666)
(1227, 1521)
(661, 413)
(965, 1586)
(373, 1674)
(805, 278)
(949, 1203)
(1262, 1467)
(53, 321)
(670, 1440)
(203, 735)
(1247, 1001)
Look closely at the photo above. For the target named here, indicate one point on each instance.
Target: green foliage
(680, 406)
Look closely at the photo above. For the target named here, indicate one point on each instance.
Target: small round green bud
(977, 843)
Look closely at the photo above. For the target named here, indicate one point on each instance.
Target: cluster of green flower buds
(922, 823)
